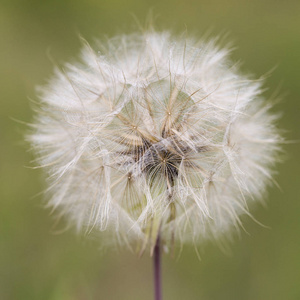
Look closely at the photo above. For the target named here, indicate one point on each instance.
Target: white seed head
(152, 134)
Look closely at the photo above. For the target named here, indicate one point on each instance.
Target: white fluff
(151, 135)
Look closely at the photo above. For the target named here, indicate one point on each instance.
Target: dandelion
(155, 141)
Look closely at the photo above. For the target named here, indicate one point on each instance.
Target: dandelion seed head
(152, 134)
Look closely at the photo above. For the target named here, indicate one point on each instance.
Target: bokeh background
(37, 264)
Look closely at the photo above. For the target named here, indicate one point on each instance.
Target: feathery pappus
(152, 135)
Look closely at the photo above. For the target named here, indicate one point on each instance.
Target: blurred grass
(36, 264)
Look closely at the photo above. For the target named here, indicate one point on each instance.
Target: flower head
(151, 135)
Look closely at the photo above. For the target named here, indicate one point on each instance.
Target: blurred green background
(36, 264)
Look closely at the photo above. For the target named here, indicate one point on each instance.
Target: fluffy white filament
(151, 135)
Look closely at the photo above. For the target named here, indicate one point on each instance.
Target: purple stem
(157, 270)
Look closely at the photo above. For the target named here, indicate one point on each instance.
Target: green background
(37, 264)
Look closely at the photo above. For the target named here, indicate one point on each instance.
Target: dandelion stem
(157, 270)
